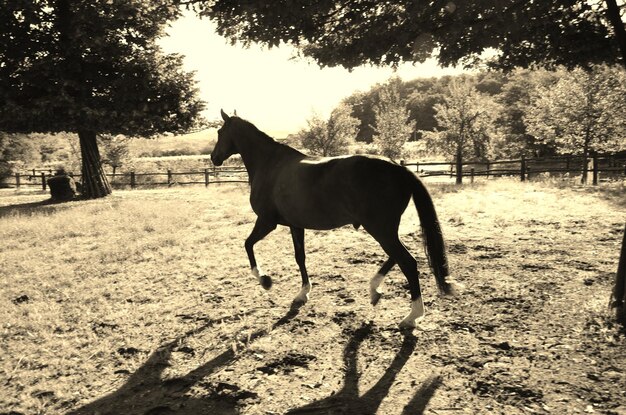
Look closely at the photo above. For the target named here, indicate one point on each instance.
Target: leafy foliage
(466, 119)
(392, 120)
(92, 67)
(581, 112)
(331, 137)
(355, 32)
(116, 150)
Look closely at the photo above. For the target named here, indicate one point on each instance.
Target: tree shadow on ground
(612, 193)
(348, 401)
(147, 393)
(47, 206)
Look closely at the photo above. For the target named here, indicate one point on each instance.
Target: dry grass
(143, 303)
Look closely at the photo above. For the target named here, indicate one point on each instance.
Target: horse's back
(331, 192)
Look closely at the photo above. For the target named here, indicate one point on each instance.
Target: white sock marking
(375, 282)
(417, 312)
(303, 295)
(256, 272)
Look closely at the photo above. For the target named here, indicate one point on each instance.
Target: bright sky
(271, 88)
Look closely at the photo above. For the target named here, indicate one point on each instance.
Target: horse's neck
(258, 152)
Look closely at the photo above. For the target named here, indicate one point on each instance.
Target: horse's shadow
(147, 393)
(347, 400)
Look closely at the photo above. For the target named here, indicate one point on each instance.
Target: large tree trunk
(619, 291)
(614, 16)
(94, 182)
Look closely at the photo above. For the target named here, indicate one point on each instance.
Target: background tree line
(490, 114)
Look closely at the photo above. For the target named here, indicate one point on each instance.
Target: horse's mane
(247, 124)
(263, 136)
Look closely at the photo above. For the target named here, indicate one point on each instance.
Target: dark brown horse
(292, 189)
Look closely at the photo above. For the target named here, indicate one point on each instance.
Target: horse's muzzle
(215, 160)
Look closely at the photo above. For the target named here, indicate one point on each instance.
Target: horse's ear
(225, 116)
(235, 113)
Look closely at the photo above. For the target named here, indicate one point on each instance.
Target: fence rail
(611, 165)
(605, 165)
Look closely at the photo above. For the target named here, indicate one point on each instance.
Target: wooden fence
(236, 174)
(609, 166)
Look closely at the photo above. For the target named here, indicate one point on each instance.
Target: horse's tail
(431, 235)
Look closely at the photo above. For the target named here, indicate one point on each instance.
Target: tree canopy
(355, 32)
(91, 67)
(91, 64)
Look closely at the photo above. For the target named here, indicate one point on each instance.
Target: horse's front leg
(297, 234)
(261, 230)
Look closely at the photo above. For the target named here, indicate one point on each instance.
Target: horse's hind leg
(297, 234)
(396, 250)
(260, 231)
(376, 280)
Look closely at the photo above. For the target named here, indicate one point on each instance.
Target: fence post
(488, 167)
(472, 175)
(595, 168)
(132, 180)
(169, 178)
(402, 162)
(568, 159)
(523, 168)
(43, 180)
(417, 167)
(17, 180)
(206, 177)
(527, 173)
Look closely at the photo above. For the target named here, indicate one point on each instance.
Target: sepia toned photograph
(348, 207)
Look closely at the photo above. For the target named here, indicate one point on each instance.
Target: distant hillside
(199, 142)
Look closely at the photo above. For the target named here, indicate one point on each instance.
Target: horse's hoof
(407, 324)
(453, 289)
(410, 323)
(375, 297)
(266, 282)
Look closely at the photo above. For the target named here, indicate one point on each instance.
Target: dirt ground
(166, 318)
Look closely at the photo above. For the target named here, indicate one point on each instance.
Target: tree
(582, 112)
(355, 32)
(116, 151)
(13, 150)
(91, 67)
(393, 128)
(421, 102)
(515, 101)
(362, 104)
(466, 118)
(331, 137)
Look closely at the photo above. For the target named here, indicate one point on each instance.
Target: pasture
(143, 303)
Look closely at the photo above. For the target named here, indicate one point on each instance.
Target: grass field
(142, 303)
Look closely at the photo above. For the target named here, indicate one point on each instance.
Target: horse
(289, 188)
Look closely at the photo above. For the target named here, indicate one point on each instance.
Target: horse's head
(225, 146)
